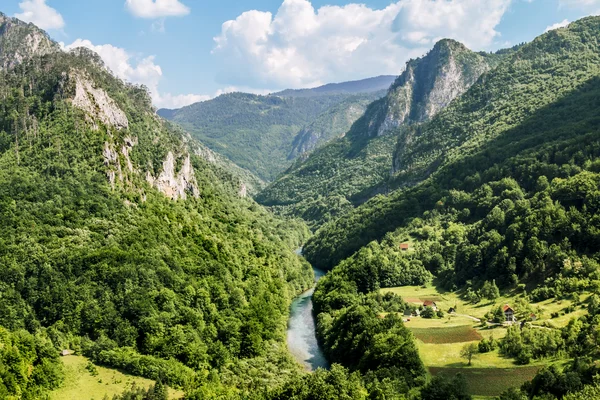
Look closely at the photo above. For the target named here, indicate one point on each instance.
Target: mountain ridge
(348, 171)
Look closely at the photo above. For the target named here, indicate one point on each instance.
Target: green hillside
(350, 170)
(120, 243)
(488, 126)
(264, 133)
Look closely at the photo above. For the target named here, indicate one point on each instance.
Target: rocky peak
(428, 85)
(20, 41)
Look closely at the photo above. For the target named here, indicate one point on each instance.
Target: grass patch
(446, 300)
(490, 381)
(454, 334)
(80, 384)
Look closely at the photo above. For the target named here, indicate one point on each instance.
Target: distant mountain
(20, 41)
(352, 169)
(368, 85)
(264, 134)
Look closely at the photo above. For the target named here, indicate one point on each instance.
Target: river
(301, 334)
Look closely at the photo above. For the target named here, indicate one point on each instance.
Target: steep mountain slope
(120, 242)
(331, 124)
(354, 168)
(512, 123)
(259, 133)
(368, 85)
(19, 41)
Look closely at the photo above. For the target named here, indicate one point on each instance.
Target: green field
(490, 381)
(440, 340)
(80, 384)
(454, 334)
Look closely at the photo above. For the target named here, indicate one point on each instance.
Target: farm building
(429, 303)
(509, 313)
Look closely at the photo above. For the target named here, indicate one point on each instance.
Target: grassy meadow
(80, 384)
(440, 340)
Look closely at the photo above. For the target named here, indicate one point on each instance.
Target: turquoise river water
(301, 335)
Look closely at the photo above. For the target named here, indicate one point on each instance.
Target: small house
(533, 317)
(509, 313)
(429, 303)
(404, 246)
(408, 312)
(66, 353)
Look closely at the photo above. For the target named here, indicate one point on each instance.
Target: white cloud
(561, 24)
(142, 71)
(300, 46)
(157, 8)
(40, 14)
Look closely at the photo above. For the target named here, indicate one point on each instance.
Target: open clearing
(440, 340)
(80, 384)
(454, 334)
(490, 381)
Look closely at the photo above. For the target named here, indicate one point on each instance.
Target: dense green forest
(97, 259)
(350, 170)
(549, 107)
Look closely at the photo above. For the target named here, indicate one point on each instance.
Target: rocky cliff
(19, 41)
(429, 84)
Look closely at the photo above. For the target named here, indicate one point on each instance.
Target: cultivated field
(453, 334)
(490, 381)
(440, 340)
(80, 384)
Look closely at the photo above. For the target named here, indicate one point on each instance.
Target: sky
(186, 51)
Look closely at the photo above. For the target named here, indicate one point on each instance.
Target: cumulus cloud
(40, 14)
(561, 24)
(157, 8)
(302, 46)
(143, 71)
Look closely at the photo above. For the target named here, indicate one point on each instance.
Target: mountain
(531, 120)
(368, 85)
(264, 133)
(352, 169)
(20, 41)
(120, 240)
(333, 123)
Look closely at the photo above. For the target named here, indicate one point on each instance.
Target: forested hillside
(350, 170)
(264, 133)
(121, 243)
(511, 206)
(528, 108)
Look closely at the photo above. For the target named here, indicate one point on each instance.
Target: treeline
(29, 365)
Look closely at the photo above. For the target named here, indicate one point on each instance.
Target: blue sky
(191, 50)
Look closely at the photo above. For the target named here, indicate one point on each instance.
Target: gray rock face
(20, 41)
(428, 85)
(97, 103)
(173, 184)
